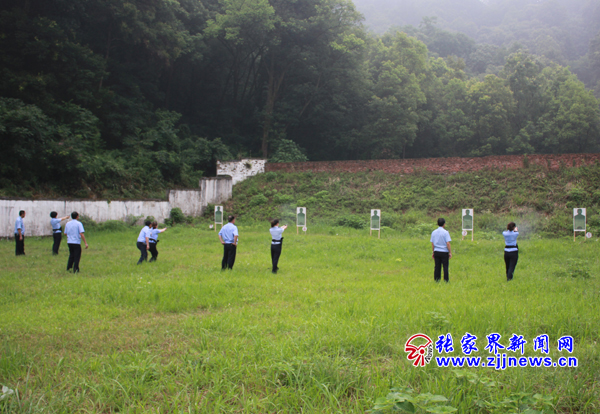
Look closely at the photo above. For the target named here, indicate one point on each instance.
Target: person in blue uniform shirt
(154, 232)
(20, 234)
(143, 242)
(74, 231)
(276, 243)
(511, 249)
(440, 243)
(56, 231)
(229, 239)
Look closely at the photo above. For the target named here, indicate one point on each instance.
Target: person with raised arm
(511, 249)
(56, 231)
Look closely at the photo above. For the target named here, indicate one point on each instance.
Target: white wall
(216, 190)
(242, 169)
(37, 218)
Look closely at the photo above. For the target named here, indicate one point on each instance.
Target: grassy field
(325, 335)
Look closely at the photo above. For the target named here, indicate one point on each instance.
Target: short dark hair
(511, 226)
(154, 224)
(274, 222)
(21, 213)
(53, 214)
(74, 215)
(230, 219)
(441, 222)
(147, 223)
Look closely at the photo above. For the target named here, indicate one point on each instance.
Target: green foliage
(258, 200)
(177, 216)
(109, 98)
(405, 400)
(352, 221)
(288, 151)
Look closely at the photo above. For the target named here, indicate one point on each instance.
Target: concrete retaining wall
(37, 218)
(216, 190)
(242, 169)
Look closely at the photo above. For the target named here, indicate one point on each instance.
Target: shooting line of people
(229, 236)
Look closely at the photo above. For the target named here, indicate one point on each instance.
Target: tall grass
(324, 335)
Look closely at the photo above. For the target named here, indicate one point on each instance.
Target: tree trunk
(274, 85)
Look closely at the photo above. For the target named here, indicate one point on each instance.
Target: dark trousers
(275, 253)
(20, 245)
(228, 256)
(57, 239)
(511, 259)
(74, 257)
(153, 251)
(441, 259)
(144, 251)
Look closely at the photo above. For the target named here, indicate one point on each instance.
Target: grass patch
(324, 335)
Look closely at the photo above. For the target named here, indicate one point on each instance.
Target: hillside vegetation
(538, 199)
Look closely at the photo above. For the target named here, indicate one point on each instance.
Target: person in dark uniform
(56, 231)
(511, 249)
(154, 232)
(143, 242)
(20, 234)
(276, 243)
(229, 239)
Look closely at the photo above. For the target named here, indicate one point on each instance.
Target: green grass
(325, 335)
(543, 198)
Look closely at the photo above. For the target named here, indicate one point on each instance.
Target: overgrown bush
(258, 200)
(352, 221)
(177, 216)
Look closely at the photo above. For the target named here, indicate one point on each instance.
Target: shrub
(352, 221)
(283, 199)
(270, 176)
(132, 220)
(258, 200)
(87, 222)
(288, 151)
(177, 216)
(113, 225)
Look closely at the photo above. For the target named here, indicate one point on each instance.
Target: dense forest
(122, 98)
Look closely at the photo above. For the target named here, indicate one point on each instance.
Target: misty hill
(560, 30)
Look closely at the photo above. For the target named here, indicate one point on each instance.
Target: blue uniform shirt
(154, 234)
(73, 230)
(276, 233)
(510, 239)
(143, 234)
(228, 232)
(439, 238)
(55, 223)
(19, 225)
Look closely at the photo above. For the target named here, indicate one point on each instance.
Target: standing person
(440, 243)
(229, 239)
(143, 242)
(276, 243)
(74, 231)
(154, 232)
(20, 234)
(511, 249)
(56, 232)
